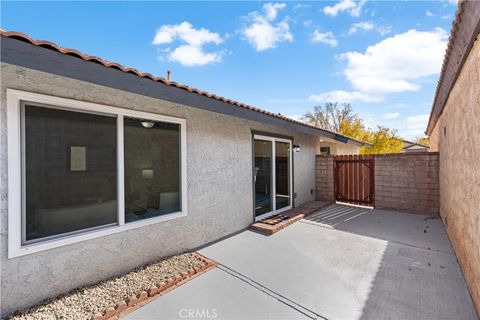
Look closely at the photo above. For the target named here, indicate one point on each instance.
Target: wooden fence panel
(354, 179)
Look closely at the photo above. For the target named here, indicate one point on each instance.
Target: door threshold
(271, 213)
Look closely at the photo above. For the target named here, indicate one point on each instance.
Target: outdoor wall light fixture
(296, 147)
(147, 124)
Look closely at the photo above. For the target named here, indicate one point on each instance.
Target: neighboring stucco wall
(339, 148)
(459, 151)
(220, 196)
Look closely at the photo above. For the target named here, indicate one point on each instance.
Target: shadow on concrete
(418, 276)
(400, 227)
(336, 214)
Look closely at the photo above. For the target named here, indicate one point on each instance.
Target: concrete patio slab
(356, 264)
(216, 295)
(342, 263)
(411, 229)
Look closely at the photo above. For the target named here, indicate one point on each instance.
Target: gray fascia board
(27, 55)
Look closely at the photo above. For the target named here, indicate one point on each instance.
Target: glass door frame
(273, 140)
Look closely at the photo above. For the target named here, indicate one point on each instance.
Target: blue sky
(382, 57)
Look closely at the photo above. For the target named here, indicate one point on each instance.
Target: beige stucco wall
(460, 168)
(220, 195)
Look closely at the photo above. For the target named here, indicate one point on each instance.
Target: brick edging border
(143, 297)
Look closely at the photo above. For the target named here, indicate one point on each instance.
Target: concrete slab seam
(292, 304)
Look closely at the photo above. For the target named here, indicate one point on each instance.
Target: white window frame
(15, 184)
(274, 177)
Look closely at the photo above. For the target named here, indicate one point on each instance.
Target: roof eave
(50, 58)
(465, 30)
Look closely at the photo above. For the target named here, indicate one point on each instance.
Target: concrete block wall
(407, 182)
(324, 177)
(455, 136)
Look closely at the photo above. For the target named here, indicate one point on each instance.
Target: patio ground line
(292, 304)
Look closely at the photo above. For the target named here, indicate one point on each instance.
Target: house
(454, 128)
(409, 146)
(332, 147)
(105, 168)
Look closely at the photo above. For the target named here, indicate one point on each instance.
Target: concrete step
(288, 217)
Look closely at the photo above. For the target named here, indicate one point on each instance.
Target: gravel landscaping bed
(81, 303)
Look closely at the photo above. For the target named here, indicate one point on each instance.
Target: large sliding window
(152, 168)
(80, 170)
(70, 171)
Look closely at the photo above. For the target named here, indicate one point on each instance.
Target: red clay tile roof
(72, 52)
(464, 31)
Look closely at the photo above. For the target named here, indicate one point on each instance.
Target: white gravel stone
(81, 303)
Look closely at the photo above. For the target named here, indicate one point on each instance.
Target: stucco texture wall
(456, 136)
(338, 148)
(220, 195)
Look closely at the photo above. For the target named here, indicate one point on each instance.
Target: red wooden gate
(354, 179)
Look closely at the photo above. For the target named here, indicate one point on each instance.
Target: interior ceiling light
(147, 124)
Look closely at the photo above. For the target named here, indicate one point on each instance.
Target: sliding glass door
(272, 175)
(282, 175)
(263, 177)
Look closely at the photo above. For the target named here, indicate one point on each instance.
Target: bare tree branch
(331, 115)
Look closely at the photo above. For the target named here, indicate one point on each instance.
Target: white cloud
(414, 126)
(343, 97)
(384, 29)
(354, 8)
(429, 13)
(191, 53)
(390, 115)
(186, 32)
(307, 23)
(324, 37)
(393, 64)
(364, 25)
(271, 10)
(369, 26)
(297, 117)
(263, 33)
(193, 56)
(301, 6)
(417, 122)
